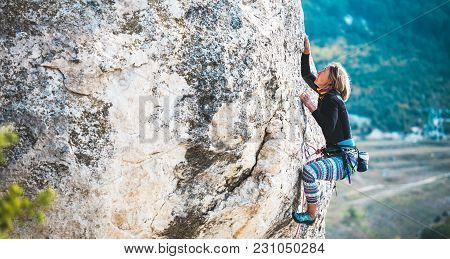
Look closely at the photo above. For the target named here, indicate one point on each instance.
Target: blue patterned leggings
(330, 168)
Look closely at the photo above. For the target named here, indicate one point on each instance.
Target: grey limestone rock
(158, 119)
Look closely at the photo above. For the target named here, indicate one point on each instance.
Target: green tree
(8, 138)
(15, 207)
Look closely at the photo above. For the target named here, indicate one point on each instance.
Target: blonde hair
(339, 79)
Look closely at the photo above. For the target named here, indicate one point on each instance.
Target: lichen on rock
(158, 119)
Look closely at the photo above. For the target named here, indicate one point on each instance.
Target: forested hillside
(403, 72)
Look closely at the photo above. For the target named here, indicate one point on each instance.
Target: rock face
(158, 119)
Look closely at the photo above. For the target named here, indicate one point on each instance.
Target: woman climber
(333, 86)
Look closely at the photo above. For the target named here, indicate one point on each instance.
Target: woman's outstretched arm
(305, 68)
(306, 72)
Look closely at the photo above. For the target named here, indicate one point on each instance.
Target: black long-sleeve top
(331, 113)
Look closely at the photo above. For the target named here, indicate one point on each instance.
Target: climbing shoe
(303, 217)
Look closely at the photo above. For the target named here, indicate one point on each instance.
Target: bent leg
(331, 168)
(324, 169)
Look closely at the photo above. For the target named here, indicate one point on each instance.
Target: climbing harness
(343, 151)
